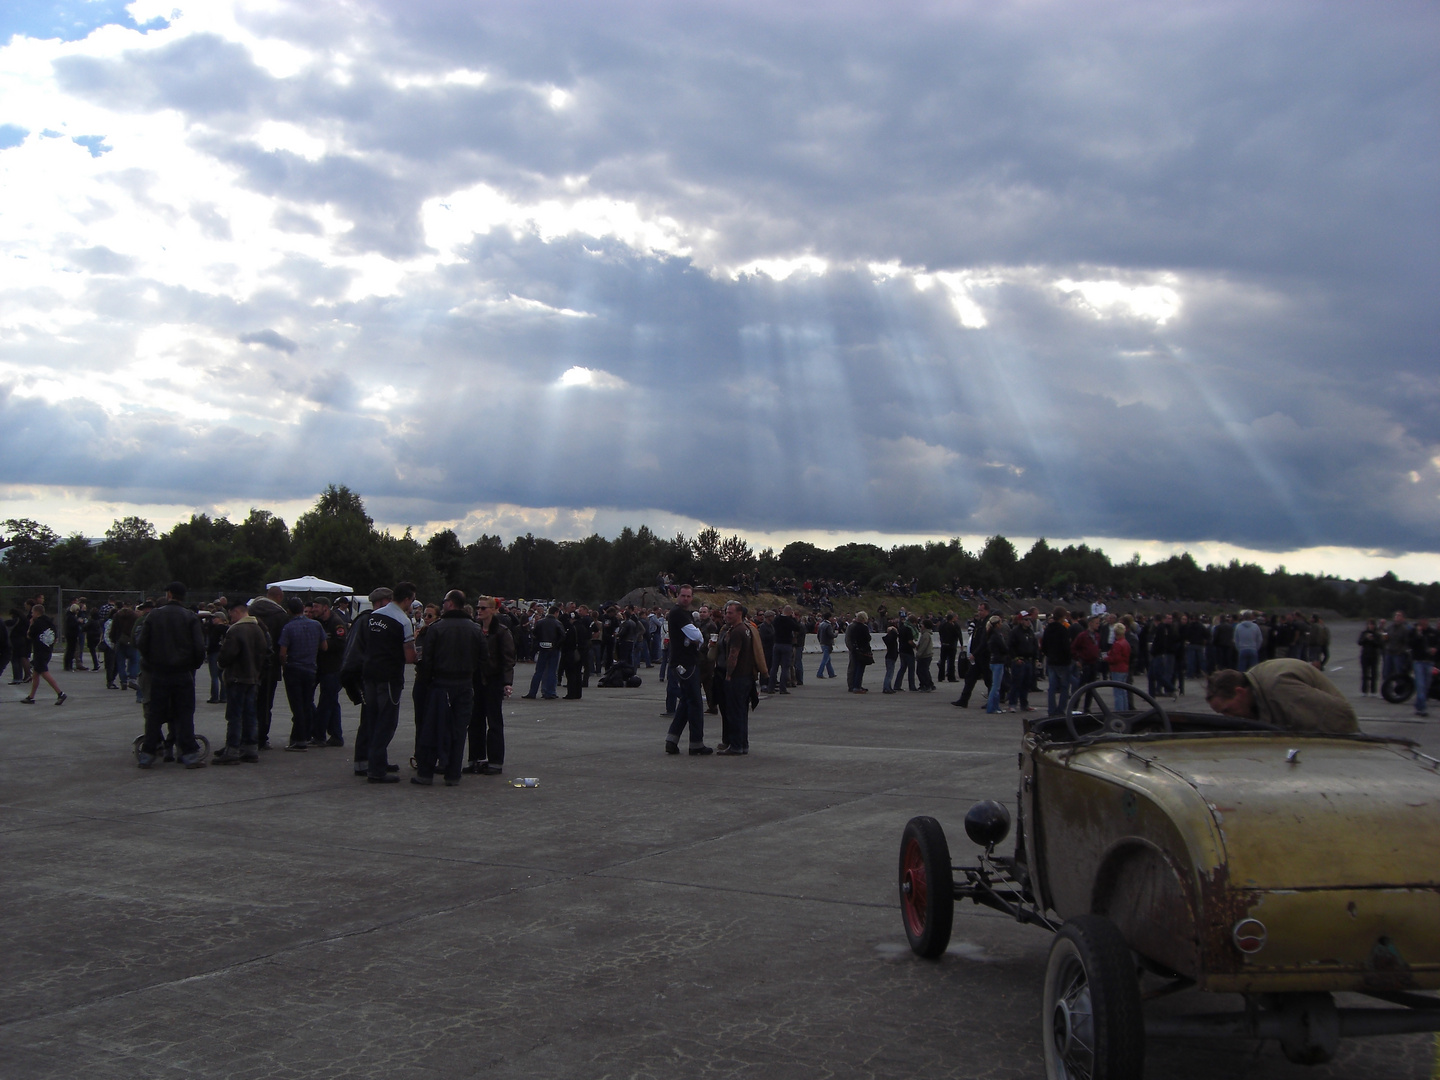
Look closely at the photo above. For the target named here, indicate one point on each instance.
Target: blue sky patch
(68, 20)
(94, 143)
(11, 135)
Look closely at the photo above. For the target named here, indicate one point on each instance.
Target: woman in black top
(857, 640)
(1372, 644)
(20, 647)
(42, 643)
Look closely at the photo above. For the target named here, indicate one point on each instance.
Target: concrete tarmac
(635, 915)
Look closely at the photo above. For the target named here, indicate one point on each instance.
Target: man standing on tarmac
(685, 642)
(172, 644)
(244, 652)
(384, 644)
(786, 628)
(737, 647)
(327, 710)
(549, 637)
(949, 634)
(270, 611)
(979, 656)
(454, 652)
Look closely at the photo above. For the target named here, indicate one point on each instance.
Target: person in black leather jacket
(454, 652)
(172, 645)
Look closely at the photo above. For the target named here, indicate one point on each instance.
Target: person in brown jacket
(244, 659)
(738, 648)
(487, 721)
(1288, 693)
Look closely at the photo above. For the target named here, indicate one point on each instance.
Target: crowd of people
(1010, 655)
(714, 659)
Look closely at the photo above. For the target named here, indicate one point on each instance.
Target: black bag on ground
(619, 675)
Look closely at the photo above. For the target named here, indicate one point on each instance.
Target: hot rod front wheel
(927, 887)
(1091, 1024)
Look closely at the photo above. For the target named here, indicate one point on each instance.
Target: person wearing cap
(384, 644)
(172, 649)
(270, 610)
(549, 638)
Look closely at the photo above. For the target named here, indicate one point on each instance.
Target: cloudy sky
(1156, 275)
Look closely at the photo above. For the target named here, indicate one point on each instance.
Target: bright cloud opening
(593, 378)
(780, 269)
(1157, 303)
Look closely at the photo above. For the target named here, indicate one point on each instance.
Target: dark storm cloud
(1282, 162)
(270, 339)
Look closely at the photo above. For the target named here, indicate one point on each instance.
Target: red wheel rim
(914, 890)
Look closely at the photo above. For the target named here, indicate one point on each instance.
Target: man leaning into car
(1287, 693)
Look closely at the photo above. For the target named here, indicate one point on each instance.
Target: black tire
(1398, 688)
(1091, 1023)
(927, 887)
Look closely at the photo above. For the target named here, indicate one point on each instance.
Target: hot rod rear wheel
(927, 887)
(1091, 1024)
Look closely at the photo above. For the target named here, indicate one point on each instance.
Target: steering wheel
(1110, 720)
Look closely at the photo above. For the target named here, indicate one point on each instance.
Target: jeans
(300, 693)
(129, 664)
(689, 709)
(825, 663)
(672, 689)
(379, 717)
(784, 656)
(1394, 664)
(172, 701)
(889, 673)
(1020, 675)
(327, 710)
(737, 713)
(265, 701)
(1122, 697)
(546, 662)
(855, 673)
(926, 682)
(905, 665)
(664, 663)
(1194, 660)
(217, 685)
(1422, 686)
(241, 726)
(1058, 692)
(947, 663)
(1160, 680)
(997, 679)
(441, 744)
(1248, 658)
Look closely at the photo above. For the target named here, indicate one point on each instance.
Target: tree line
(337, 539)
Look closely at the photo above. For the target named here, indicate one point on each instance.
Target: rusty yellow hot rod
(1206, 852)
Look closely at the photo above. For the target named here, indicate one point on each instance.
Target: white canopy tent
(310, 583)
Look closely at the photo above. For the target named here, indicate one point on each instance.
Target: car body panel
(1178, 838)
